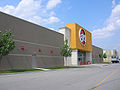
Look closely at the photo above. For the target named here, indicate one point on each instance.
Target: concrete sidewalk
(42, 69)
(98, 65)
(89, 65)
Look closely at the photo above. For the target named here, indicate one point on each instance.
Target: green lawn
(65, 67)
(104, 63)
(30, 70)
(19, 70)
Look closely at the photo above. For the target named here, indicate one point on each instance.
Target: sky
(100, 17)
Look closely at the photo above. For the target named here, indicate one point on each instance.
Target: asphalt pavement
(65, 79)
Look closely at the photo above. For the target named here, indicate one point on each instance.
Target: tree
(105, 55)
(6, 43)
(100, 55)
(66, 50)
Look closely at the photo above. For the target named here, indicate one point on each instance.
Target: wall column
(74, 57)
(66, 32)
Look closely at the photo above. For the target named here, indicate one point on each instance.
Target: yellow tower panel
(75, 42)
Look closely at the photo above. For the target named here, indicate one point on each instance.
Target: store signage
(82, 36)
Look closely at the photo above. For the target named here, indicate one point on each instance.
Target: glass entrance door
(81, 58)
(80, 61)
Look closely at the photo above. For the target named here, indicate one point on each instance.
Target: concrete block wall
(32, 37)
(95, 54)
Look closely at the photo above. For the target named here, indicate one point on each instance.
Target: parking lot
(65, 79)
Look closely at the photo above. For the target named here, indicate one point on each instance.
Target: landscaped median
(39, 69)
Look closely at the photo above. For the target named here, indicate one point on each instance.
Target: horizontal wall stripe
(20, 55)
(31, 55)
(35, 43)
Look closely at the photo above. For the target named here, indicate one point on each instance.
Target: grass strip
(19, 70)
(65, 67)
(104, 63)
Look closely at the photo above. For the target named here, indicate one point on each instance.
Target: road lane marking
(105, 79)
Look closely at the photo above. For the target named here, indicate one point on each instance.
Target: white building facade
(111, 54)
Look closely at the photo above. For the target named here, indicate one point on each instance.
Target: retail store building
(80, 40)
(36, 46)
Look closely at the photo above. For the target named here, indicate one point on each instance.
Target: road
(65, 79)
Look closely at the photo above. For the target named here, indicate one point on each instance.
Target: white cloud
(23, 9)
(7, 9)
(113, 3)
(112, 24)
(52, 3)
(52, 13)
(27, 8)
(33, 11)
(52, 19)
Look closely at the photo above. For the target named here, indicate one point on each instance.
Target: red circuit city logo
(82, 36)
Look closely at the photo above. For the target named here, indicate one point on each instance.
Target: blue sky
(100, 17)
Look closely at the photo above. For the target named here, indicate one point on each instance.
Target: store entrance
(81, 58)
